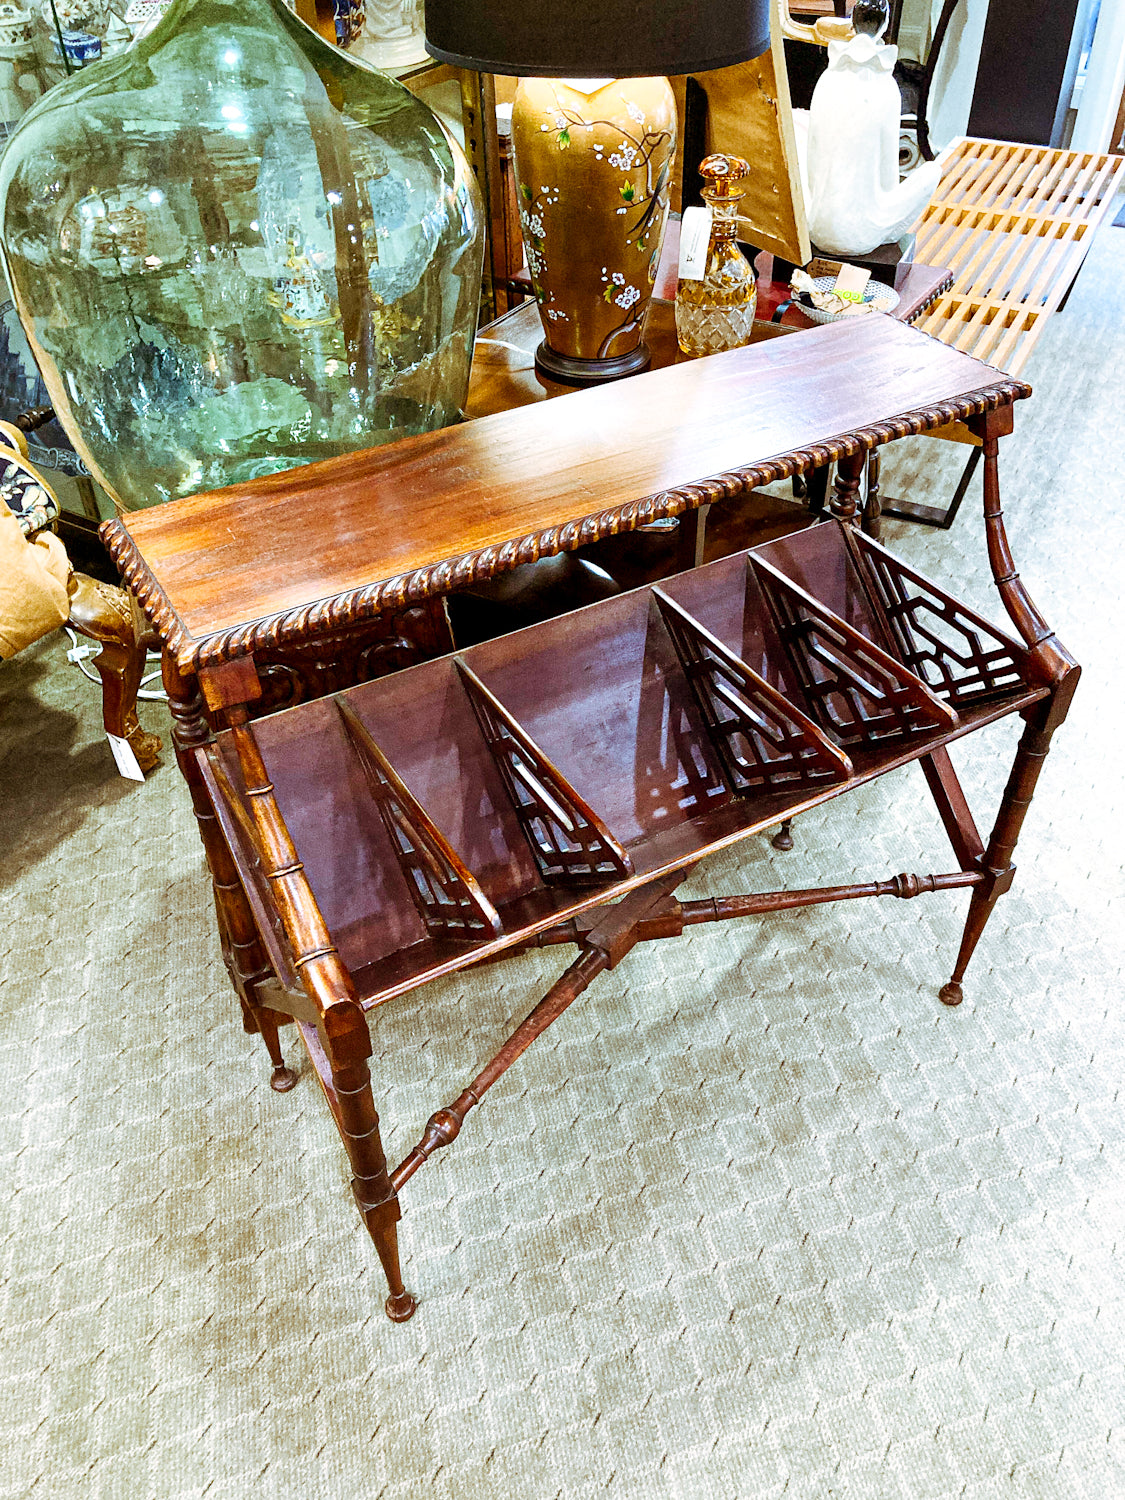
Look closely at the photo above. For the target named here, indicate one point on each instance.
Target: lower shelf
(460, 808)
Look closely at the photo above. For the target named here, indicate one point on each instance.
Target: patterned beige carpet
(759, 1217)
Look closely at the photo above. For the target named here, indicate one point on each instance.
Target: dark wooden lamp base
(571, 371)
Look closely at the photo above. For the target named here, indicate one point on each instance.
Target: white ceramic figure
(392, 36)
(856, 201)
(142, 15)
(385, 20)
(19, 87)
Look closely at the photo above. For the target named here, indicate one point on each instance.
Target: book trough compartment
(557, 785)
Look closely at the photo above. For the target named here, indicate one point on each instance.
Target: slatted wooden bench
(1014, 224)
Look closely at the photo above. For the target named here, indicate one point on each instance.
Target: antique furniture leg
(348, 1048)
(783, 838)
(341, 1027)
(849, 477)
(1057, 667)
(815, 489)
(952, 808)
(997, 860)
(103, 613)
(242, 949)
(267, 1023)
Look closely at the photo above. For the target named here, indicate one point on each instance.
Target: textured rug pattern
(758, 1217)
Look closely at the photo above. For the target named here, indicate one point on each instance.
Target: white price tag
(851, 283)
(125, 758)
(695, 236)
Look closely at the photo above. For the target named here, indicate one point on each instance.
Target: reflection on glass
(235, 250)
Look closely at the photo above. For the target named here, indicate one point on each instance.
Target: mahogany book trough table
(555, 786)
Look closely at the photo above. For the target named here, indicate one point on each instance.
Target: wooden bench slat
(1014, 223)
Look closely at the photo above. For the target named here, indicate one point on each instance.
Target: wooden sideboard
(555, 786)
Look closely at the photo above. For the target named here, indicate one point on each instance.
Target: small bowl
(874, 291)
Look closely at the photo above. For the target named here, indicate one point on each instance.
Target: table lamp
(593, 153)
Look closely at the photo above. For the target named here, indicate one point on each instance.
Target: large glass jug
(234, 249)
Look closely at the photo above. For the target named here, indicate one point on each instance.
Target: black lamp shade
(596, 38)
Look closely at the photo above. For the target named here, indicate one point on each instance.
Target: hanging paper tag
(695, 236)
(126, 760)
(851, 283)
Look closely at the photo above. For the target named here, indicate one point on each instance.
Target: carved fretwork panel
(447, 895)
(859, 693)
(570, 843)
(763, 741)
(955, 652)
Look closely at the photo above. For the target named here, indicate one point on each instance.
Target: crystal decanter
(716, 311)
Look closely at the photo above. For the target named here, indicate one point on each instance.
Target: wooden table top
(296, 554)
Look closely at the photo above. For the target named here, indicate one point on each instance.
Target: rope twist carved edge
(388, 595)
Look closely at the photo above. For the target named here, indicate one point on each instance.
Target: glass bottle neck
(724, 214)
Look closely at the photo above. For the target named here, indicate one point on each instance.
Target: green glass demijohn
(234, 250)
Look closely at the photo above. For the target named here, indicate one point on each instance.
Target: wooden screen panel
(726, 600)
(568, 840)
(819, 560)
(446, 893)
(602, 694)
(765, 742)
(861, 694)
(956, 652)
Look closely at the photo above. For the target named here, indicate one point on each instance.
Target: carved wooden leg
(997, 860)
(102, 612)
(243, 953)
(872, 506)
(348, 1045)
(954, 811)
(849, 477)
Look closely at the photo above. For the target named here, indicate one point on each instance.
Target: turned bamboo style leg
(348, 1044)
(1057, 667)
(243, 953)
(997, 860)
